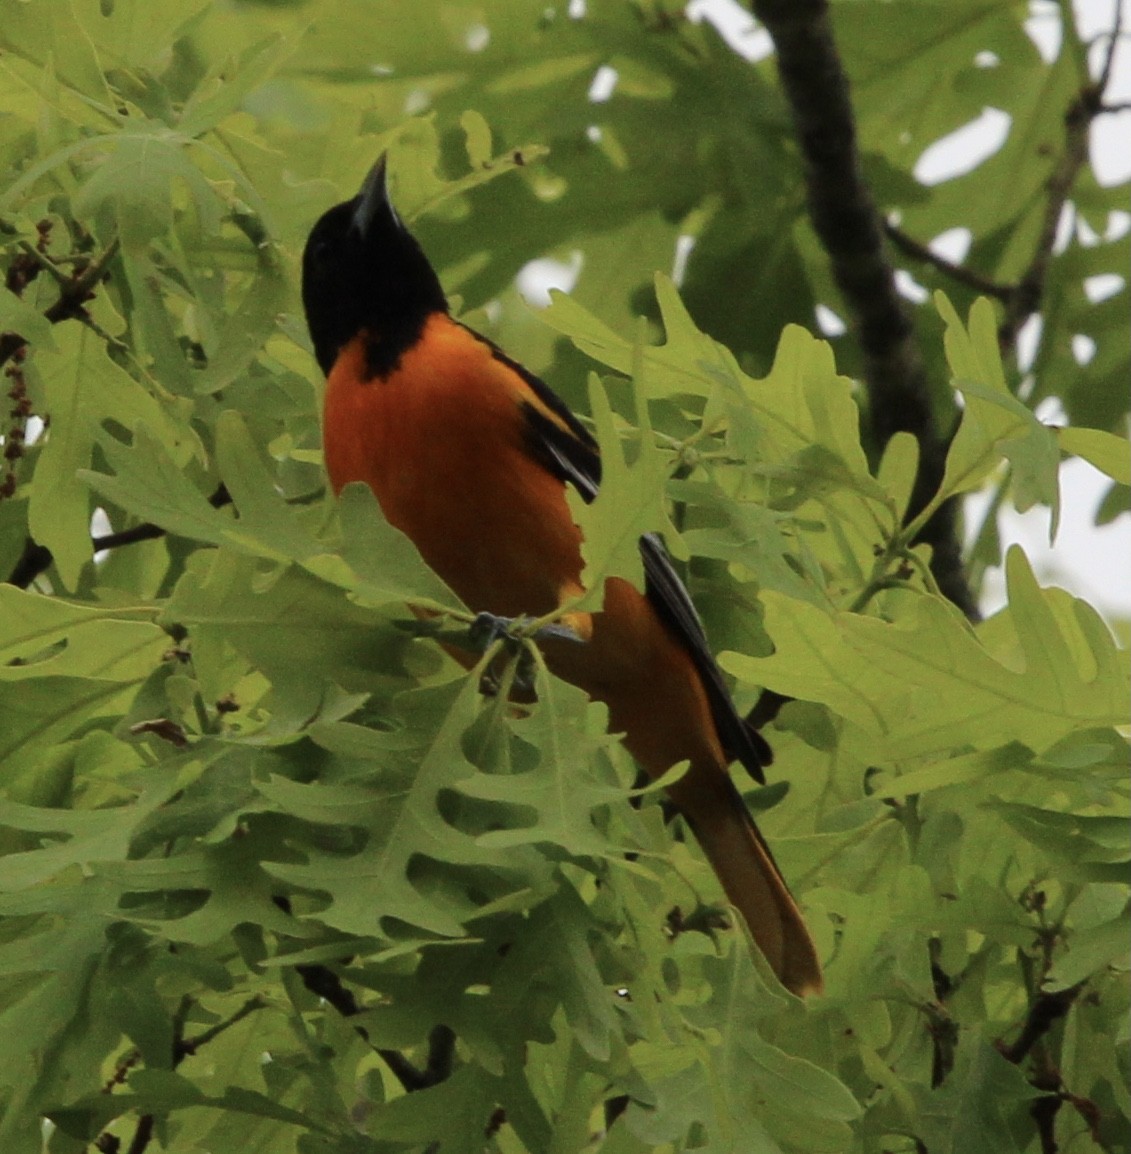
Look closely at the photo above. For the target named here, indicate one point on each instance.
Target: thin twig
(323, 982)
(142, 1134)
(62, 279)
(189, 1046)
(74, 294)
(1045, 1010)
(1086, 105)
(956, 272)
(147, 530)
(1104, 77)
(36, 559)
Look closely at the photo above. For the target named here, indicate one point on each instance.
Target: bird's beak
(373, 201)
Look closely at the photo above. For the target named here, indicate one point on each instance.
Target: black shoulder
(569, 452)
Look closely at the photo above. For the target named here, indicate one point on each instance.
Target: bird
(469, 454)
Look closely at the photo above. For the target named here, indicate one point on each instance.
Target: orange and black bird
(469, 455)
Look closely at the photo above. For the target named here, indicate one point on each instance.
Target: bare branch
(1104, 77)
(956, 272)
(189, 1046)
(1085, 107)
(1045, 1010)
(848, 224)
(326, 984)
(73, 295)
(37, 559)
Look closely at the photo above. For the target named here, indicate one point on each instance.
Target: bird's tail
(750, 876)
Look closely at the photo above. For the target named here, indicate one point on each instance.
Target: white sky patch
(964, 149)
(604, 84)
(683, 248)
(1099, 288)
(1029, 341)
(1064, 228)
(416, 102)
(1044, 28)
(1111, 156)
(1083, 348)
(576, 9)
(987, 59)
(828, 322)
(907, 286)
(1089, 561)
(593, 133)
(100, 526)
(952, 245)
(1085, 233)
(33, 430)
(741, 32)
(538, 277)
(1118, 224)
(1050, 411)
(477, 37)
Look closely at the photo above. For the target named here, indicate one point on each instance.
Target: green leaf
(229, 81)
(925, 686)
(83, 388)
(375, 887)
(148, 482)
(17, 316)
(1091, 951)
(561, 790)
(629, 504)
(980, 1106)
(44, 636)
(1109, 453)
(994, 424)
(135, 183)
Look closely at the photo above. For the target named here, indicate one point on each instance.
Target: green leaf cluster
(234, 757)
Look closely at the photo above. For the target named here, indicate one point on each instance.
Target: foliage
(262, 838)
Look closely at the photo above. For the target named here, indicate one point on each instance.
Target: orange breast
(440, 443)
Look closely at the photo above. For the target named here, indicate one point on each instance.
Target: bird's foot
(487, 628)
(514, 632)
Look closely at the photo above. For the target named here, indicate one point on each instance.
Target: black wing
(570, 453)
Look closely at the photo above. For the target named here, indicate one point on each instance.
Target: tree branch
(108, 1143)
(73, 294)
(37, 559)
(1085, 107)
(326, 984)
(849, 227)
(956, 272)
(1045, 1010)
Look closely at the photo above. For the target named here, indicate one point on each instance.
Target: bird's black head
(363, 270)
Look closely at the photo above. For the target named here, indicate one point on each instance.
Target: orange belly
(439, 444)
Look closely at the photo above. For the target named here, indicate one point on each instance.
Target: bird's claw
(487, 628)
